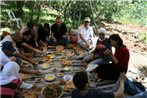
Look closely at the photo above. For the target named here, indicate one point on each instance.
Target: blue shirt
(92, 93)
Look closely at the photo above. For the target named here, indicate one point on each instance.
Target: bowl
(51, 55)
(49, 77)
(52, 91)
(45, 66)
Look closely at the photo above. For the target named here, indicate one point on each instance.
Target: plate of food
(47, 58)
(45, 66)
(65, 69)
(54, 69)
(51, 63)
(23, 76)
(65, 62)
(69, 86)
(60, 74)
(69, 53)
(59, 48)
(70, 46)
(52, 91)
(51, 55)
(49, 77)
(30, 94)
(38, 80)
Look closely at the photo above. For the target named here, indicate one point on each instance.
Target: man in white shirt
(6, 55)
(85, 34)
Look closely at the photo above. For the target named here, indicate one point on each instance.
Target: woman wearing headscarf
(10, 80)
(97, 56)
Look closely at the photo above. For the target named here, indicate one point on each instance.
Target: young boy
(82, 90)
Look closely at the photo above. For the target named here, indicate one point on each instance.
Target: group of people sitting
(101, 62)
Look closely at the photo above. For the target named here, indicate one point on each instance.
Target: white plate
(67, 77)
(44, 66)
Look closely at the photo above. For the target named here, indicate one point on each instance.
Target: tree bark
(93, 15)
(32, 11)
(19, 5)
(79, 15)
(38, 12)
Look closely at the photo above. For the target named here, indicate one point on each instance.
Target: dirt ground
(138, 50)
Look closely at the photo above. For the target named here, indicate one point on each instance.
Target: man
(7, 54)
(81, 82)
(43, 33)
(17, 38)
(58, 33)
(85, 34)
(5, 33)
(33, 31)
(24, 43)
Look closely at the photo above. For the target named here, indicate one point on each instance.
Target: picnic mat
(55, 67)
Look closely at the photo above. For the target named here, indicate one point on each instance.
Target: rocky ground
(138, 50)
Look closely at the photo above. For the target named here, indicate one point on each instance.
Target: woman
(98, 57)
(120, 59)
(11, 81)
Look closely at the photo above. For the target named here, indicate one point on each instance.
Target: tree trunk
(79, 19)
(19, 5)
(74, 19)
(32, 9)
(93, 15)
(38, 12)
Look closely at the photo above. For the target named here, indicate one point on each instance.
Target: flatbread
(23, 76)
(47, 58)
(69, 86)
(30, 94)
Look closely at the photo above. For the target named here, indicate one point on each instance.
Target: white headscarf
(9, 73)
(103, 31)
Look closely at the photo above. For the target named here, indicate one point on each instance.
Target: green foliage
(73, 12)
(143, 36)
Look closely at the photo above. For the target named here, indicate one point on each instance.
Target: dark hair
(27, 33)
(30, 25)
(80, 79)
(117, 38)
(46, 25)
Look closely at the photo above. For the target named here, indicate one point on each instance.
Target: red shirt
(122, 55)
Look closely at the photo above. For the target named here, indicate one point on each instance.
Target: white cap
(102, 30)
(87, 19)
